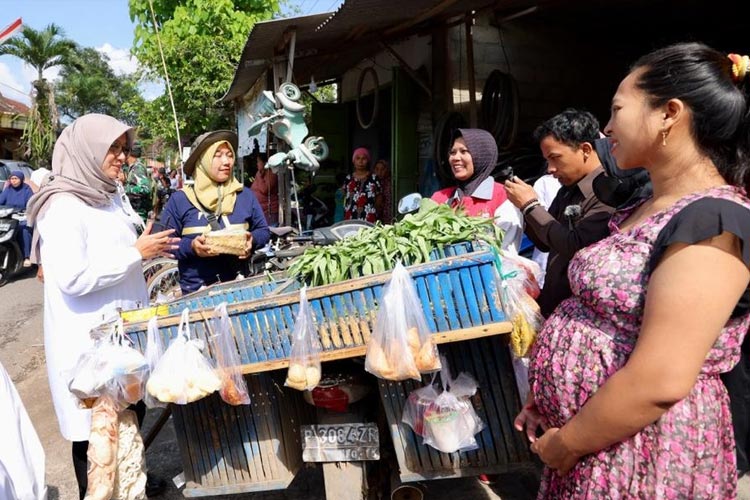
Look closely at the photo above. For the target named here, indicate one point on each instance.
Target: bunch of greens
(411, 241)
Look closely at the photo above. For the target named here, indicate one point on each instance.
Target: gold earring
(664, 137)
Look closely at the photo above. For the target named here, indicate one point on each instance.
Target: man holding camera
(576, 218)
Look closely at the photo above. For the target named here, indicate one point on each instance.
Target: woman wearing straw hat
(215, 201)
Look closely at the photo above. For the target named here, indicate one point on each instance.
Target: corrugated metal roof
(328, 44)
(263, 45)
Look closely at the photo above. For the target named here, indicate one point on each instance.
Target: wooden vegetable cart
(232, 449)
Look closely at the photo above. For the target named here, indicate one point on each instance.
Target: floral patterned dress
(689, 453)
(359, 198)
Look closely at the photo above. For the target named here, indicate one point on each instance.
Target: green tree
(96, 89)
(202, 42)
(42, 50)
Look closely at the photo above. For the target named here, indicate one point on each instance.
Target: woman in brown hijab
(90, 243)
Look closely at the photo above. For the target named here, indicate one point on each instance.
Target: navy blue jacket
(16, 197)
(179, 214)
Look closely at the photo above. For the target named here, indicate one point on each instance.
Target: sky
(102, 24)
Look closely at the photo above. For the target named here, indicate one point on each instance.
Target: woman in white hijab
(87, 236)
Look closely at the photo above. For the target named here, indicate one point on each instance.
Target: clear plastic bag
(527, 272)
(110, 367)
(418, 401)
(401, 345)
(183, 374)
(233, 386)
(304, 361)
(130, 478)
(102, 449)
(521, 370)
(90, 375)
(450, 423)
(154, 352)
(517, 280)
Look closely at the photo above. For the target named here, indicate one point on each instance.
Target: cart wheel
(152, 266)
(166, 282)
(290, 90)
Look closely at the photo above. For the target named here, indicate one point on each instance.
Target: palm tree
(41, 50)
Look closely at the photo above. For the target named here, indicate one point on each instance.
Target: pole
(169, 86)
(470, 70)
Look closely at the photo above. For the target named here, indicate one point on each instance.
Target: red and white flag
(11, 30)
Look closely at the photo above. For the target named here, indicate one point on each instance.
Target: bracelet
(533, 200)
(528, 207)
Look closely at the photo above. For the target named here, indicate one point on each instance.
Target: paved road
(22, 354)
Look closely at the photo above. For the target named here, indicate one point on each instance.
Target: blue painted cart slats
(233, 449)
(250, 288)
(345, 312)
(501, 449)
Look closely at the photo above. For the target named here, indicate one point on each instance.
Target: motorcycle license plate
(340, 442)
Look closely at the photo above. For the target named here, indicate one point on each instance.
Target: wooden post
(470, 71)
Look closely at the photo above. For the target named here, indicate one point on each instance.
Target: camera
(503, 173)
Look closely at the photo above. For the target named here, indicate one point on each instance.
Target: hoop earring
(664, 137)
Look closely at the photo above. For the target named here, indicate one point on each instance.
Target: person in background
(87, 240)
(38, 177)
(174, 179)
(266, 189)
(363, 194)
(576, 218)
(383, 172)
(163, 192)
(17, 195)
(338, 198)
(472, 157)
(546, 187)
(139, 185)
(625, 373)
(22, 460)
(215, 201)
(737, 382)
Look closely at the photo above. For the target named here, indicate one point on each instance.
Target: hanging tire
(367, 71)
(499, 108)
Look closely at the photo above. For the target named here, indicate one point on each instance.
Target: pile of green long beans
(377, 249)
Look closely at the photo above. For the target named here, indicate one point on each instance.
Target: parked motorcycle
(286, 244)
(11, 257)
(308, 211)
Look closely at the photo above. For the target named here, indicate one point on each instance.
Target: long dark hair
(701, 77)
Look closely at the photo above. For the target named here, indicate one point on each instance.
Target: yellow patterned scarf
(217, 198)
